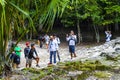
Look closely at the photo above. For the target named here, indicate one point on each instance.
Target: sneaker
(55, 64)
(49, 63)
(37, 65)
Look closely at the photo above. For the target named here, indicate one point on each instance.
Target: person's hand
(66, 35)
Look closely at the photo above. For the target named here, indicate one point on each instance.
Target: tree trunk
(31, 34)
(78, 26)
(97, 34)
(27, 36)
(116, 26)
(116, 23)
(79, 34)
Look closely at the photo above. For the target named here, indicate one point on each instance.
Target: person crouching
(31, 56)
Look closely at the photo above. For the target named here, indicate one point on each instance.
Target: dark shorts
(72, 49)
(17, 60)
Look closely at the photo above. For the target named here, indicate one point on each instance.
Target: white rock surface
(82, 53)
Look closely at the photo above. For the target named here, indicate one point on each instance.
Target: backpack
(72, 39)
(26, 51)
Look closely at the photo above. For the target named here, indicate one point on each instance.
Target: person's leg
(30, 62)
(71, 55)
(58, 55)
(70, 50)
(74, 51)
(46, 46)
(54, 53)
(37, 61)
(51, 53)
(26, 61)
(14, 65)
(40, 45)
(29, 65)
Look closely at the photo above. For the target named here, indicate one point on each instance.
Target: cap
(32, 45)
(27, 43)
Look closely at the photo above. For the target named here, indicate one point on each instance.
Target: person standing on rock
(52, 47)
(31, 56)
(108, 35)
(72, 39)
(26, 52)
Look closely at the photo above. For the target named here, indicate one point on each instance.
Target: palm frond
(54, 9)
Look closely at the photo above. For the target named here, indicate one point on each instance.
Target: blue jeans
(52, 53)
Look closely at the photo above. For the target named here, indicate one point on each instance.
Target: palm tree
(7, 26)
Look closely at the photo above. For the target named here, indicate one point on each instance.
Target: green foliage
(7, 27)
(54, 9)
(18, 17)
(101, 74)
(83, 76)
(58, 72)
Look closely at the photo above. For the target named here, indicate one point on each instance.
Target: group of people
(42, 39)
(28, 53)
(52, 44)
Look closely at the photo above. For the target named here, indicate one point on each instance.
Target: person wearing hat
(31, 56)
(26, 52)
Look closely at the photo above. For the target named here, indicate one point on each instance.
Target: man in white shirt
(108, 35)
(52, 47)
(71, 42)
(57, 40)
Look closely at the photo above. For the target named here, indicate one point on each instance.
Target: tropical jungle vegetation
(24, 19)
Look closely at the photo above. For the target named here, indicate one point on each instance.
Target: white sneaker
(55, 64)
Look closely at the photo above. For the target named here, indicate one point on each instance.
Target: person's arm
(58, 40)
(106, 32)
(49, 46)
(67, 37)
(56, 45)
(35, 52)
(25, 52)
(75, 37)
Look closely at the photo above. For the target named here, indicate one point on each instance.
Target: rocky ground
(83, 51)
(107, 54)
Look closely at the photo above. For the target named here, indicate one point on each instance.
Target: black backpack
(72, 38)
(26, 51)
